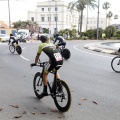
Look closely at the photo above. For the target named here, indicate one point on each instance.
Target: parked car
(4, 37)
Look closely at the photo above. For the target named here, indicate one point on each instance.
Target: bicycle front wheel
(63, 97)
(12, 48)
(38, 85)
(115, 64)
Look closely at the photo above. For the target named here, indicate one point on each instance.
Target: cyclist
(61, 41)
(13, 40)
(55, 60)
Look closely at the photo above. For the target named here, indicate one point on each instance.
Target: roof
(3, 24)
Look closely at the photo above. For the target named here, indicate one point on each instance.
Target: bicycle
(58, 90)
(15, 47)
(64, 52)
(115, 64)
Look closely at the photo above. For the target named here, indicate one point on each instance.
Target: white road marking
(24, 58)
(75, 47)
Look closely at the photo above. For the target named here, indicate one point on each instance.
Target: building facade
(91, 23)
(54, 15)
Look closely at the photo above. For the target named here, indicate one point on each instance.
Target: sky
(19, 8)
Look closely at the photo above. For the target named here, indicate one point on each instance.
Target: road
(94, 86)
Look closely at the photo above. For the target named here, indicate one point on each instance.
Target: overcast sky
(19, 8)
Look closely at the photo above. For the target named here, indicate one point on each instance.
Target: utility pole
(56, 14)
(49, 18)
(98, 20)
(9, 14)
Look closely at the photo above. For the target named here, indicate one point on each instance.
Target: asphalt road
(94, 86)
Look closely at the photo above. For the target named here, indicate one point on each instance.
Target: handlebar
(40, 64)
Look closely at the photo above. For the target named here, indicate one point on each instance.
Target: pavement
(99, 47)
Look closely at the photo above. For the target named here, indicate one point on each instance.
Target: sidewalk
(98, 47)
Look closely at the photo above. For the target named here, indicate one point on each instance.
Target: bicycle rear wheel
(12, 48)
(19, 49)
(63, 97)
(38, 85)
(66, 53)
(115, 64)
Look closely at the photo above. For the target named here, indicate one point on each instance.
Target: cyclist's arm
(38, 54)
(55, 41)
(37, 58)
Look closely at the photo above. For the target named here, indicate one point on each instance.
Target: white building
(54, 14)
(91, 23)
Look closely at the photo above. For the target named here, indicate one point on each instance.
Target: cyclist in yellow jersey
(55, 59)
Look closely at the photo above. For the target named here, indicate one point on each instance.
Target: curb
(98, 47)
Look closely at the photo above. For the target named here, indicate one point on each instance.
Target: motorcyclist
(60, 39)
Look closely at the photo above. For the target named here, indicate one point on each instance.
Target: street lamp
(9, 14)
(56, 14)
(98, 20)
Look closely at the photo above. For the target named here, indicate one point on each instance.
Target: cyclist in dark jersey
(55, 59)
(13, 39)
(60, 39)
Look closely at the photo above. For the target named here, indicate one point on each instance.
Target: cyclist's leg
(16, 42)
(13, 42)
(48, 67)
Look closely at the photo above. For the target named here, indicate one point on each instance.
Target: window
(56, 9)
(56, 18)
(13, 32)
(3, 31)
(55, 29)
(42, 19)
(42, 9)
(49, 18)
(49, 9)
(101, 22)
(32, 18)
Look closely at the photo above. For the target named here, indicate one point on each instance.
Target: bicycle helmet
(43, 38)
(57, 35)
(11, 34)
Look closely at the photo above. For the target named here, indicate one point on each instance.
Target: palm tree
(81, 5)
(105, 6)
(109, 15)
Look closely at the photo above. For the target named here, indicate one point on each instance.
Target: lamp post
(98, 20)
(9, 14)
(56, 14)
(49, 18)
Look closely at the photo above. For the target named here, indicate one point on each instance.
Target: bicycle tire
(61, 95)
(40, 85)
(19, 49)
(12, 48)
(114, 64)
(66, 53)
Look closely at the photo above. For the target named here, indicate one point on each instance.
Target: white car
(4, 37)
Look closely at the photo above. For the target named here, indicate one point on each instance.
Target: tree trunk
(81, 19)
(79, 25)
